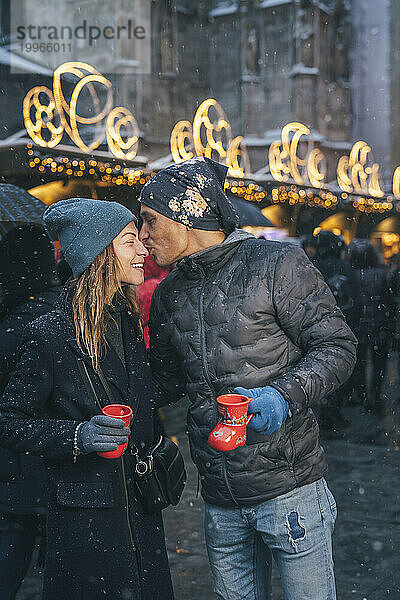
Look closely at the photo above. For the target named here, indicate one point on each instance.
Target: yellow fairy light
(374, 186)
(290, 147)
(396, 183)
(88, 76)
(181, 140)
(357, 162)
(283, 158)
(58, 108)
(43, 117)
(278, 169)
(343, 179)
(353, 173)
(215, 130)
(122, 147)
(237, 150)
(315, 176)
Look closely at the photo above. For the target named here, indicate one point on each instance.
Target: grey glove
(102, 434)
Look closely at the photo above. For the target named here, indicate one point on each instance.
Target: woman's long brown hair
(98, 287)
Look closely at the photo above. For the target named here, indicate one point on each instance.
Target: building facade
(332, 65)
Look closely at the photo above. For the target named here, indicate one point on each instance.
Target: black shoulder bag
(160, 476)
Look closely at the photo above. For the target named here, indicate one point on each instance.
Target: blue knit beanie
(85, 227)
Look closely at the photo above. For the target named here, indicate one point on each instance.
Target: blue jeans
(295, 529)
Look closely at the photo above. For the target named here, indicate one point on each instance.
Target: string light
(122, 148)
(396, 183)
(87, 76)
(292, 194)
(181, 136)
(97, 170)
(315, 176)
(215, 130)
(353, 173)
(60, 116)
(41, 118)
(237, 151)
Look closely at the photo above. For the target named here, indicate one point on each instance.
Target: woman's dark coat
(90, 553)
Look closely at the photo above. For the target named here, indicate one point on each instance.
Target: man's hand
(268, 407)
(102, 434)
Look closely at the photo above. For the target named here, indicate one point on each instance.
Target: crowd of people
(368, 293)
(234, 314)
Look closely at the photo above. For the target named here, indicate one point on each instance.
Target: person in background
(86, 354)
(310, 246)
(337, 272)
(394, 290)
(341, 279)
(29, 288)
(153, 274)
(373, 323)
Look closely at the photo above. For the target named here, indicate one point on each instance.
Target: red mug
(230, 432)
(118, 411)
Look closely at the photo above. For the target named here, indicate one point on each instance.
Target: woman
(372, 324)
(100, 543)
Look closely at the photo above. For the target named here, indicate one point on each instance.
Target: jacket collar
(213, 258)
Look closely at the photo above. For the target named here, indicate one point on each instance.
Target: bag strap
(105, 385)
(88, 382)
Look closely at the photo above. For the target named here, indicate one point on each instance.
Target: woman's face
(130, 253)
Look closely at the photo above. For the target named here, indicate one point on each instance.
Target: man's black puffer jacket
(250, 313)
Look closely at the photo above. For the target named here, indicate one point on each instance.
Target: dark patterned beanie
(192, 193)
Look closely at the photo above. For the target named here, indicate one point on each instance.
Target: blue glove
(102, 434)
(268, 407)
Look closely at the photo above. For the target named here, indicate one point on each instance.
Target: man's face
(165, 239)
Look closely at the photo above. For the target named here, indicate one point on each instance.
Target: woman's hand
(102, 434)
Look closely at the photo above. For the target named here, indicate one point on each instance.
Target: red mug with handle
(230, 432)
(118, 411)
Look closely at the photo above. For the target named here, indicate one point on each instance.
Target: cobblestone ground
(364, 475)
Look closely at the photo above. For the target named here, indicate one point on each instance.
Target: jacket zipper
(208, 377)
(290, 439)
(291, 467)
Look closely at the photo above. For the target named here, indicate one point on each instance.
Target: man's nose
(143, 234)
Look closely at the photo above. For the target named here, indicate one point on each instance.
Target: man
(253, 316)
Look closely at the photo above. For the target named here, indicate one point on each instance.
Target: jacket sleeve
(165, 362)
(307, 312)
(24, 426)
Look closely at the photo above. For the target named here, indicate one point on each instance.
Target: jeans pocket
(330, 500)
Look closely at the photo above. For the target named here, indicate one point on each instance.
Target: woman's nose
(141, 249)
